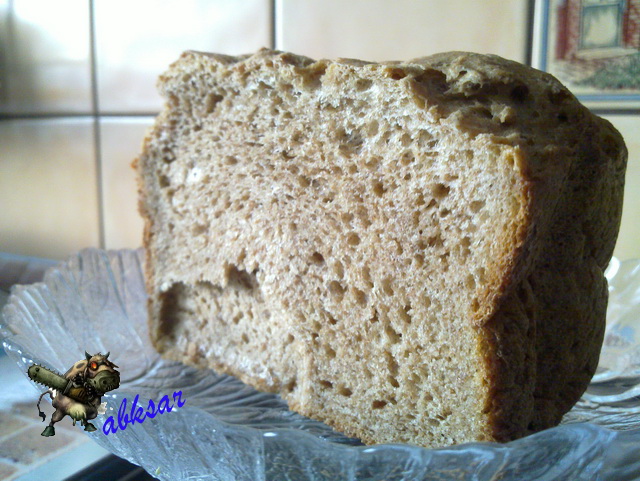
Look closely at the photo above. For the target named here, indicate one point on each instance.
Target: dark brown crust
(557, 312)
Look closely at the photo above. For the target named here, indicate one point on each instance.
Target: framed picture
(593, 47)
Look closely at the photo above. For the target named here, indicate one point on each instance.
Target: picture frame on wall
(593, 47)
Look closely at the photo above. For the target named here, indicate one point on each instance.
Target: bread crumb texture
(411, 252)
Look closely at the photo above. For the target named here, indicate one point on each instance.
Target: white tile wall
(401, 29)
(137, 40)
(49, 168)
(44, 57)
(120, 140)
(48, 188)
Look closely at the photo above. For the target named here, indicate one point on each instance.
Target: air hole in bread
(520, 93)
(338, 269)
(393, 335)
(240, 279)
(326, 384)
(363, 84)
(163, 181)
(330, 352)
(396, 73)
(432, 144)
(511, 160)
(444, 414)
(360, 297)
(475, 305)
(365, 272)
(392, 364)
(433, 422)
(481, 275)
(434, 241)
(373, 163)
(303, 181)
(337, 290)
(171, 308)
(476, 206)
(558, 96)
(378, 404)
(440, 191)
(291, 385)
(317, 258)
(372, 128)
(378, 189)
(405, 140)
(211, 102)
(403, 314)
(387, 286)
(345, 391)
(346, 217)
(351, 144)
(353, 239)
(415, 218)
(484, 112)
(407, 159)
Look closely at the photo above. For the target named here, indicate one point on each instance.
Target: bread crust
(539, 322)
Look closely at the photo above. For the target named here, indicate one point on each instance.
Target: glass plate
(228, 431)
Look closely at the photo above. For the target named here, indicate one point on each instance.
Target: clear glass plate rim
(602, 431)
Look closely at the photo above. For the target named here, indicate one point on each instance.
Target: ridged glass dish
(228, 431)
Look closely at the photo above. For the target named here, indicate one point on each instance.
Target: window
(601, 24)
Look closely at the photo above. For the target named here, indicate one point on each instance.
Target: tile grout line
(95, 105)
(529, 19)
(274, 21)
(74, 115)
(10, 42)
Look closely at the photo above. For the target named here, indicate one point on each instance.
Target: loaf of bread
(410, 252)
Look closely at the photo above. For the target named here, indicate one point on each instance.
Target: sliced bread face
(410, 252)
